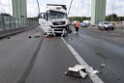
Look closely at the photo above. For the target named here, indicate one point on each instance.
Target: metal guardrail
(8, 23)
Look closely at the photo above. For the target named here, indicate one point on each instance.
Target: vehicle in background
(87, 22)
(105, 25)
(54, 19)
(83, 24)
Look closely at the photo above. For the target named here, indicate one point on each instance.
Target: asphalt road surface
(101, 47)
(16, 54)
(52, 62)
(46, 59)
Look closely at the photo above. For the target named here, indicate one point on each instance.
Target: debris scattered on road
(29, 37)
(48, 36)
(81, 71)
(103, 65)
(70, 38)
(83, 74)
(37, 35)
(92, 72)
(77, 71)
(8, 37)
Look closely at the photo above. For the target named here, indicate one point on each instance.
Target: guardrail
(10, 25)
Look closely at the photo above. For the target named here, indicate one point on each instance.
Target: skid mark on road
(31, 64)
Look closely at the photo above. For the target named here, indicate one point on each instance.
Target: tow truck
(54, 20)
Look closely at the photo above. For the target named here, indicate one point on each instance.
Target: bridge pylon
(19, 8)
(98, 11)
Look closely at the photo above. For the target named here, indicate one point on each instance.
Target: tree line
(112, 17)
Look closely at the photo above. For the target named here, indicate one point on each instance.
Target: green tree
(78, 18)
(112, 17)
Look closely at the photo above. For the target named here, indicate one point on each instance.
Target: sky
(79, 7)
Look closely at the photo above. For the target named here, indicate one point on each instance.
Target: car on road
(105, 25)
(83, 24)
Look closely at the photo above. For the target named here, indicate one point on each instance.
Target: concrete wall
(98, 11)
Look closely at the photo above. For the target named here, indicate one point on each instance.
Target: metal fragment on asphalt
(92, 72)
(80, 71)
(37, 35)
(103, 65)
(8, 37)
(77, 71)
(29, 37)
(83, 74)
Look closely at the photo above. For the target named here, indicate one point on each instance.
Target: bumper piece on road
(77, 71)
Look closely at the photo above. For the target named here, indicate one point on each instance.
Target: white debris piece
(77, 71)
(37, 35)
(103, 65)
(80, 71)
(76, 68)
(83, 74)
(92, 72)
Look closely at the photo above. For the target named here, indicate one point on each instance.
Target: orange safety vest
(77, 24)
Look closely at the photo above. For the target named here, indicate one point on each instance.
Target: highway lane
(96, 49)
(115, 36)
(45, 59)
(16, 54)
(52, 61)
(36, 60)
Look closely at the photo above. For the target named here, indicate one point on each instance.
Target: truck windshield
(56, 15)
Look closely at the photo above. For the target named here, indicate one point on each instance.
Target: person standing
(77, 26)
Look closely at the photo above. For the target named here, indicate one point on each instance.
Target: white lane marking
(93, 77)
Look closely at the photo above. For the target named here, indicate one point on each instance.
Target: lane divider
(94, 77)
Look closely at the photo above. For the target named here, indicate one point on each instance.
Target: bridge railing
(10, 23)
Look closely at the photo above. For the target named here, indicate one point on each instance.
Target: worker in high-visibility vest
(77, 26)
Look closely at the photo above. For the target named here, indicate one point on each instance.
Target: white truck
(54, 19)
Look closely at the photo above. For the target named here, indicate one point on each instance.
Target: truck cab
(54, 20)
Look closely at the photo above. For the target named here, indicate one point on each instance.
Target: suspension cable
(70, 6)
(38, 7)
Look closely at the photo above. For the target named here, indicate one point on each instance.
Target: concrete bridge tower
(98, 11)
(19, 8)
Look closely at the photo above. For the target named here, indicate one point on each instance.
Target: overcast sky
(79, 7)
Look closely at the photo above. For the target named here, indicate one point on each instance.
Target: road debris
(80, 71)
(103, 65)
(92, 72)
(8, 37)
(29, 37)
(48, 36)
(37, 35)
(77, 71)
(70, 38)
